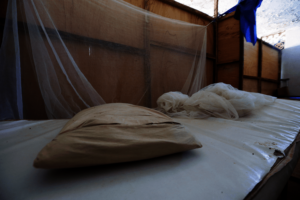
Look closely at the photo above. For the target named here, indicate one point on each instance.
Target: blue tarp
(245, 11)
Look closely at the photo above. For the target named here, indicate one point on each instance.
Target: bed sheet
(235, 157)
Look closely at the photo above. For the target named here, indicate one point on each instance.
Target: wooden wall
(262, 64)
(230, 59)
(33, 102)
(228, 51)
(175, 60)
(244, 66)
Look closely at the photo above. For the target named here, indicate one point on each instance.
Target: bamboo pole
(216, 8)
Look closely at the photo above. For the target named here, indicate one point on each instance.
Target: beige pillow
(114, 133)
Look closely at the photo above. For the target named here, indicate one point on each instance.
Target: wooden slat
(280, 65)
(129, 73)
(177, 36)
(115, 81)
(229, 74)
(138, 3)
(209, 72)
(215, 72)
(229, 63)
(268, 88)
(250, 85)
(88, 16)
(187, 9)
(175, 10)
(269, 80)
(107, 44)
(147, 65)
(252, 77)
(259, 78)
(241, 60)
(210, 39)
(216, 6)
(78, 38)
(230, 15)
(260, 54)
(228, 41)
(33, 102)
(111, 45)
(251, 58)
(270, 63)
(180, 49)
(116, 76)
(165, 9)
(269, 45)
(211, 57)
(94, 70)
(169, 71)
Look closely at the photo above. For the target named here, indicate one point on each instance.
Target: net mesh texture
(90, 52)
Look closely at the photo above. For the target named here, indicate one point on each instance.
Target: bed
(249, 158)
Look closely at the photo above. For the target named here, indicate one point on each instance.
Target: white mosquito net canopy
(90, 52)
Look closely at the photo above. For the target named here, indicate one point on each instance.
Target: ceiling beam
(216, 8)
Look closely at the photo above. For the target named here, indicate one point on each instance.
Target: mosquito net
(217, 100)
(90, 52)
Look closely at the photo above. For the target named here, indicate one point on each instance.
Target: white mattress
(236, 155)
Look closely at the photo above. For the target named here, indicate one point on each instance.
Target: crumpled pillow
(114, 133)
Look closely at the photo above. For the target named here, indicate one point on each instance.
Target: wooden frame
(246, 67)
(175, 11)
(216, 8)
(227, 51)
(188, 9)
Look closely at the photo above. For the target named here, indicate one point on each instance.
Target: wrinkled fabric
(115, 133)
(172, 102)
(218, 100)
(246, 13)
(235, 157)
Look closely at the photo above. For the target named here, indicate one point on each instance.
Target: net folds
(89, 52)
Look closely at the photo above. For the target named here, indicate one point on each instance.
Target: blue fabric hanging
(245, 11)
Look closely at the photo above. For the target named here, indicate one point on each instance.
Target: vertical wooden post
(259, 64)
(216, 8)
(146, 5)
(147, 66)
(215, 70)
(280, 67)
(241, 67)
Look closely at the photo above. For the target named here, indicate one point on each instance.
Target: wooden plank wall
(33, 103)
(252, 67)
(228, 51)
(261, 68)
(160, 85)
(244, 66)
(270, 64)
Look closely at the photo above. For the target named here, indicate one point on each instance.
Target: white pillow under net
(217, 100)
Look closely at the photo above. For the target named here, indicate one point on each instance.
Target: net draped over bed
(90, 52)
